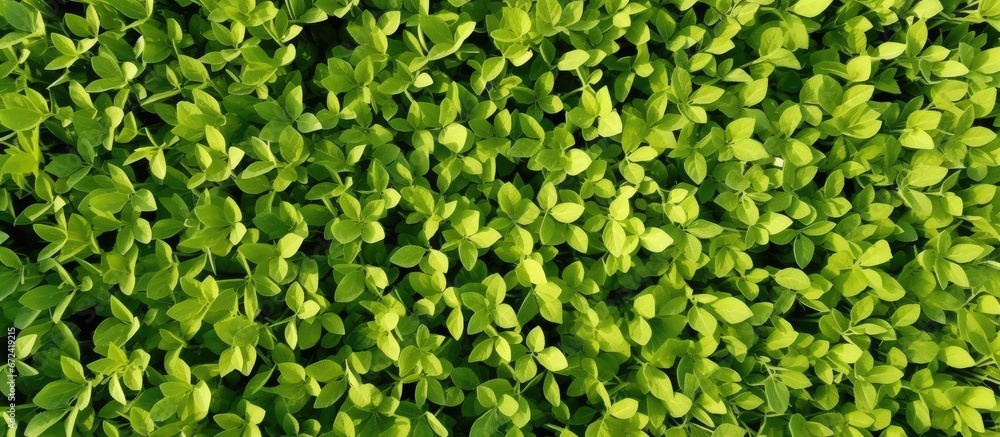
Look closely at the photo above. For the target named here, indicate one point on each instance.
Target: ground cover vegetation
(474, 218)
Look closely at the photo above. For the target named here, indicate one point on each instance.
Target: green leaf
(19, 16)
(701, 321)
(439, 429)
(906, 315)
(436, 29)
(956, 357)
(72, 370)
(777, 395)
(573, 59)
(917, 139)
(408, 256)
(810, 8)
(950, 69)
(728, 430)
(42, 298)
(624, 409)
(748, 150)
(732, 310)
(347, 231)
(20, 163)
(792, 278)
(141, 421)
(926, 175)
(803, 250)
(467, 255)
(289, 245)
(977, 136)
(534, 271)
(567, 212)
(21, 119)
(350, 287)
(552, 359)
(43, 421)
(696, 167)
(655, 240)
(980, 398)
(657, 382)
(453, 137)
(577, 162)
(486, 425)
(57, 394)
(964, 253)
(878, 253)
(614, 238)
(884, 375)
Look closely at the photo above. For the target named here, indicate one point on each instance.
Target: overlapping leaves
(521, 218)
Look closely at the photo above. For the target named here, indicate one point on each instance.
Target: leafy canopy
(473, 217)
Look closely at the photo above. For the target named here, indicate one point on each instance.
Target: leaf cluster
(470, 217)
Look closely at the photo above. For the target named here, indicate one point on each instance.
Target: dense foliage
(601, 218)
